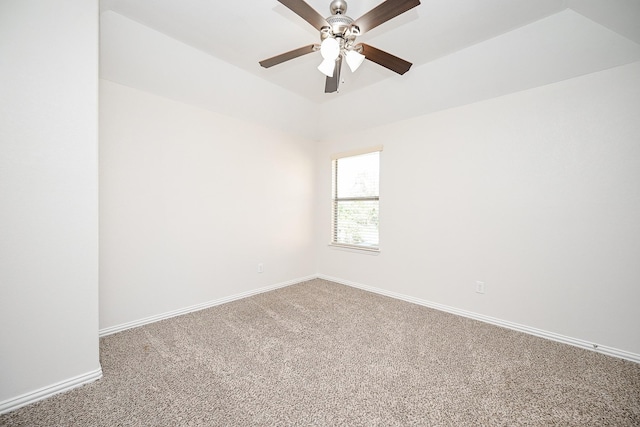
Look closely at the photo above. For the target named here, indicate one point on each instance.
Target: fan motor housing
(339, 24)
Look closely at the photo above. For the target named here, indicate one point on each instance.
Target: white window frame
(335, 199)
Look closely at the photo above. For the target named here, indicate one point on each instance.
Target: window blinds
(355, 197)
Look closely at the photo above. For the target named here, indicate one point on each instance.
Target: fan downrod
(338, 7)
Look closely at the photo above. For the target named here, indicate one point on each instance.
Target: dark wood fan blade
(266, 63)
(385, 59)
(384, 12)
(331, 84)
(306, 12)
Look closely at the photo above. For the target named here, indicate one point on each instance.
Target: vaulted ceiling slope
(206, 53)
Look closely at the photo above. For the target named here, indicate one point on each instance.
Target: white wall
(137, 56)
(536, 193)
(191, 201)
(48, 194)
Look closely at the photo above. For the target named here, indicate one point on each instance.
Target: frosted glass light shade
(330, 48)
(354, 60)
(327, 66)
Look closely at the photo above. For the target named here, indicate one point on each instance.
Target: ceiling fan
(338, 35)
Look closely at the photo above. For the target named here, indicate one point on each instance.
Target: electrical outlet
(260, 268)
(480, 287)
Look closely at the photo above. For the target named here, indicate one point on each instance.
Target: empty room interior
(172, 223)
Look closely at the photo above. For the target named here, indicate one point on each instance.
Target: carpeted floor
(323, 354)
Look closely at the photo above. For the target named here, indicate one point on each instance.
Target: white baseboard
(151, 319)
(48, 391)
(610, 351)
(71, 383)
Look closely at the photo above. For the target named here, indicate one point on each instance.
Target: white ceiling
(463, 51)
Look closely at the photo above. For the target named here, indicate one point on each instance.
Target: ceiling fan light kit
(330, 49)
(338, 34)
(354, 60)
(327, 66)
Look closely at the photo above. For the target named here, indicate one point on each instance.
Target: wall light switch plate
(480, 287)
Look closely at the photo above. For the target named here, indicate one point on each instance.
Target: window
(355, 198)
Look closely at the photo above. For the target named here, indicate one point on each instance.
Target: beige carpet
(319, 353)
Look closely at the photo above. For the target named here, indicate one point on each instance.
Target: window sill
(355, 249)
